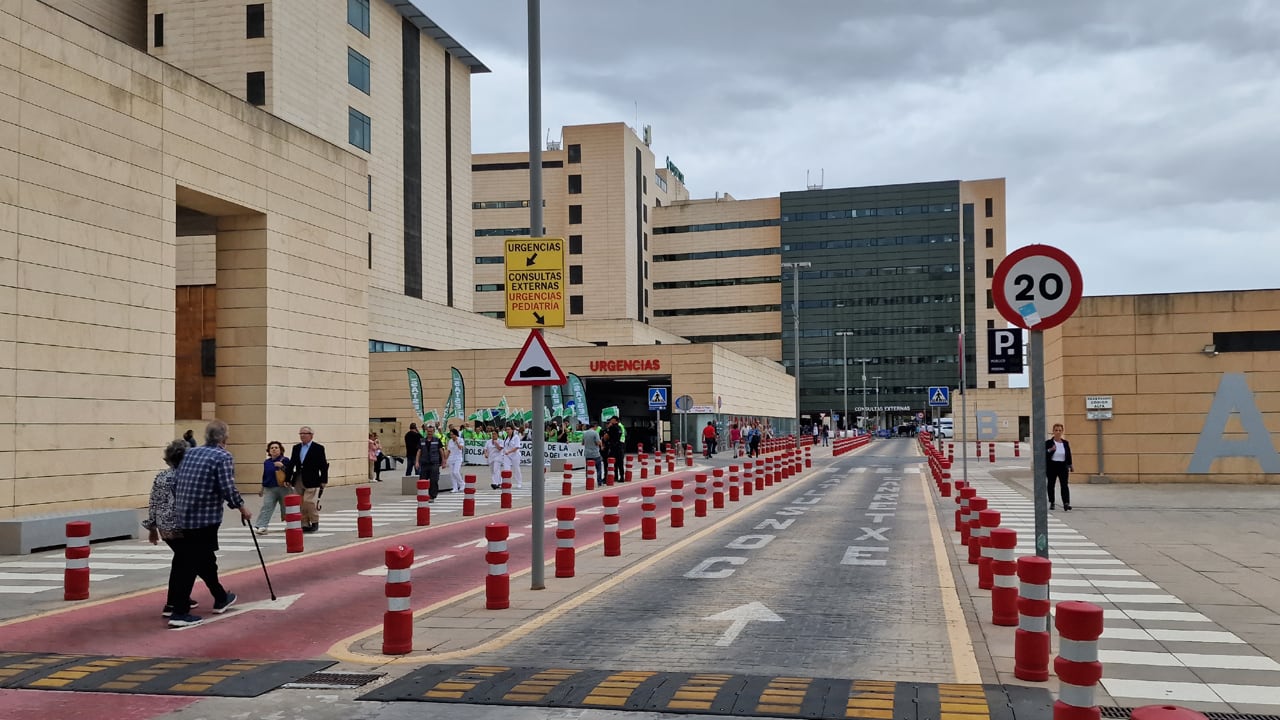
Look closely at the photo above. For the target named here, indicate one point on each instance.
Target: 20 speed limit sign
(1037, 287)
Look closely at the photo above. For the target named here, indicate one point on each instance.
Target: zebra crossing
(42, 572)
(1154, 646)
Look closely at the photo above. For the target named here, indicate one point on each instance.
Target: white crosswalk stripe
(1137, 621)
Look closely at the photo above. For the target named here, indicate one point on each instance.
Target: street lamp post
(877, 379)
(795, 315)
(844, 368)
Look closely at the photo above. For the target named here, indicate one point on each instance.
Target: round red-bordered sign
(1037, 287)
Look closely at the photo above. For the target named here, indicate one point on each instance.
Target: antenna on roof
(822, 179)
(552, 144)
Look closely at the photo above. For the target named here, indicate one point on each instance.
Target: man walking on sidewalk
(206, 479)
(412, 440)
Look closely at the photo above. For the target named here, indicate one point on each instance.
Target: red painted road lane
(50, 704)
(337, 601)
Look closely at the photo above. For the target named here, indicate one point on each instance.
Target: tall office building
(889, 269)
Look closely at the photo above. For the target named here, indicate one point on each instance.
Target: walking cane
(254, 535)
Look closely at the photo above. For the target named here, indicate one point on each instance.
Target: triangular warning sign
(658, 397)
(535, 365)
(939, 396)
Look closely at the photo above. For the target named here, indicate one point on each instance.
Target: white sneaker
(260, 530)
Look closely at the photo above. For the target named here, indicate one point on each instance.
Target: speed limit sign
(1037, 287)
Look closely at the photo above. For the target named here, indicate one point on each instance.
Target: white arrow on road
(382, 570)
(739, 617)
(281, 603)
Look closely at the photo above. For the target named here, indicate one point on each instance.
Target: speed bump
(714, 693)
(150, 675)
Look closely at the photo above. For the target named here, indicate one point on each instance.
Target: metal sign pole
(1038, 465)
(538, 500)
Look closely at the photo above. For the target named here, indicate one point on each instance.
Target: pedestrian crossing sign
(657, 398)
(939, 396)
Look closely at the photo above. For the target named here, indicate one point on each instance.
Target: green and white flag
(579, 394)
(609, 412)
(457, 396)
(503, 409)
(431, 416)
(557, 402)
(415, 392)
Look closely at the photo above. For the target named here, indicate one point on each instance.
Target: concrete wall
(99, 144)
(1148, 353)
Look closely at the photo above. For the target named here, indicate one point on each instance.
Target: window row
(896, 360)
(901, 330)
(501, 204)
(716, 282)
(850, 213)
(679, 312)
(717, 254)
(255, 24)
(873, 301)
(381, 346)
(709, 227)
(855, 272)
(887, 241)
(739, 337)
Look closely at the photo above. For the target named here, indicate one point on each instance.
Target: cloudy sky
(1140, 136)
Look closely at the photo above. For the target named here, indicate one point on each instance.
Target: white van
(945, 428)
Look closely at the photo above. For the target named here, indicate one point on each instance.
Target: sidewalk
(1188, 577)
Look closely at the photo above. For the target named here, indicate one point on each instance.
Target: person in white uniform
(457, 449)
(495, 453)
(512, 449)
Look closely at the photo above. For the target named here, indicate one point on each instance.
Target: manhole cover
(333, 680)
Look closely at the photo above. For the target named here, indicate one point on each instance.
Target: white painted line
(92, 565)
(1135, 657)
(1207, 636)
(52, 577)
(1229, 662)
(25, 589)
(1120, 584)
(382, 570)
(1252, 694)
(1109, 633)
(1120, 599)
(1094, 571)
(1160, 690)
(1155, 615)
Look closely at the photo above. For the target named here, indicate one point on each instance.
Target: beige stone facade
(693, 260)
(1154, 356)
(997, 415)
(99, 146)
(988, 199)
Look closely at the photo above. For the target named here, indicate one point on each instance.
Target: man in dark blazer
(308, 474)
(1058, 461)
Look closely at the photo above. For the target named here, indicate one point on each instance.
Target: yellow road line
(962, 656)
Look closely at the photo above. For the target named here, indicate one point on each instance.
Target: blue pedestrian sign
(657, 398)
(939, 396)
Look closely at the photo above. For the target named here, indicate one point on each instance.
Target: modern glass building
(880, 302)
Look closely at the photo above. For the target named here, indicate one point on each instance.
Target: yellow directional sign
(534, 281)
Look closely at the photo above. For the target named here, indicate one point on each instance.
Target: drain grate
(1122, 713)
(333, 681)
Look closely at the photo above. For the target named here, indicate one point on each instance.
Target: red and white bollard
(1004, 577)
(591, 475)
(733, 484)
(566, 556)
(506, 500)
(671, 460)
(717, 488)
(75, 578)
(648, 513)
(688, 455)
(951, 452)
(808, 456)
(610, 475)
(657, 464)
(977, 449)
(748, 478)
(700, 495)
(397, 621)
(1017, 449)
(629, 475)
(990, 520)
(962, 515)
(364, 512)
(1031, 642)
(677, 503)
(974, 530)
(293, 523)
(424, 502)
(1079, 626)
(566, 486)
(469, 496)
(991, 452)
(497, 584)
(643, 460)
(612, 530)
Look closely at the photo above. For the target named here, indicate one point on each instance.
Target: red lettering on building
(647, 365)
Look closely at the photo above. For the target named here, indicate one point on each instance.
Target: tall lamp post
(844, 369)
(795, 315)
(877, 379)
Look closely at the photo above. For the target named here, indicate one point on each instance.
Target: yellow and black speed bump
(150, 675)
(715, 694)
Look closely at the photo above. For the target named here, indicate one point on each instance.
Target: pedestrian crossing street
(1154, 647)
(42, 572)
